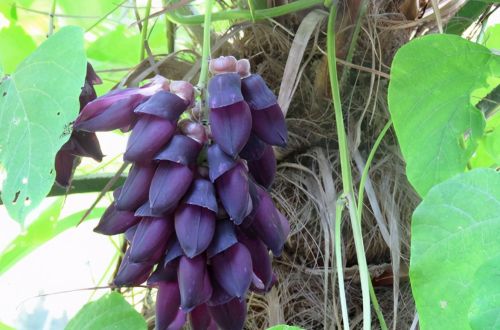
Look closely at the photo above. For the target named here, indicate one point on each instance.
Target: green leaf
(119, 47)
(284, 327)
(37, 104)
(4, 326)
(484, 313)
(488, 151)
(111, 311)
(492, 37)
(435, 82)
(453, 232)
(43, 229)
(15, 45)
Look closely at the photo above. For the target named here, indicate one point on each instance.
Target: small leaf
(453, 232)
(492, 37)
(15, 45)
(484, 313)
(111, 311)
(488, 150)
(435, 82)
(37, 104)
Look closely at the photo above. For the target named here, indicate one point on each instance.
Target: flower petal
(230, 316)
(181, 149)
(115, 222)
(199, 318)
(151, 235)
(263, 169)
(224, 89)
(233, 190)
(256, 92)
(218, 162)
(254, 149)
(135, 190)
(168, 300)
(261, 260)
(231, 126)
(149, 135)
(194, 226)
(202, 193)
(170, 183)
(232, 269)
(64, 164)
(130, 273)
(270, 126)
(224, 237)
(163, 104)
(194, 282)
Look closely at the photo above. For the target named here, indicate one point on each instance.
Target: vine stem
(144, 31)
(346, 169)
(243, 14)
(205, 57)
(51, 18)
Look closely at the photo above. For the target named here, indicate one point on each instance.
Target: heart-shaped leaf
(435, 82)
(111, 311)
(454, 231)
(37, 104)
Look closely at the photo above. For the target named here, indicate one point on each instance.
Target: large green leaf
(43, 229)
(454, 231)
(15, 45)
(284, 327)
(484, 313)
(37, 104)
(111, 311)
(435, 82)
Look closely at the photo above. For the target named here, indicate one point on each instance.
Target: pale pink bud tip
(223, 64)
(243, 67)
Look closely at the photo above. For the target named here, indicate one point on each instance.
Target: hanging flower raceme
(195, 207)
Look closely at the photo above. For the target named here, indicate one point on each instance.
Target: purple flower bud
(163, 104)
(261, 261)
(152, 234)
(109, 112)
(65, 162)
(194, 282)
(168, 300)
(231, 126)
(130, 274)
(285, 225)
(224, 237)
(181, 149)
(150, 133)
(232, 269)
(233, 190)
(84, 144)
(178, 323)
(202, 193)
(174, 250)
(267, 224)
(218, 162)
(256, 93)
(219, 295)
(115, 222)
(254, 149)
(263, 169)
(194, 226)
(170, 183)
(230, 316)
(199, 318)
(270, 126)
(164, 273)
(129, 233)
(146, 211)
(135, 190)
(224, 90)
(115, 109)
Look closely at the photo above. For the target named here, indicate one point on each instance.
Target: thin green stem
(105, 16)
(361, 190)
(51, 18)
(205, 58)
(169, 32)
(346, 169)
(144, 31)
(354, 40)
(238, 14)
(338, 261)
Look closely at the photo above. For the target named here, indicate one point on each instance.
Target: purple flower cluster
(195, 206)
